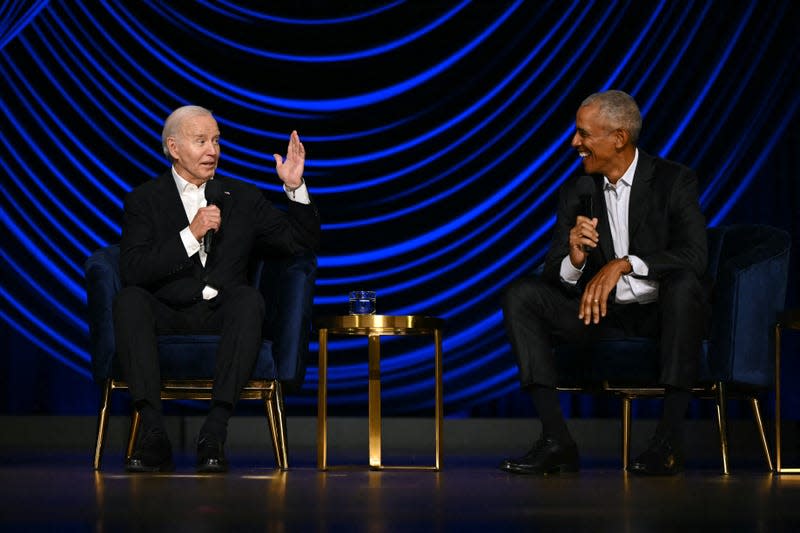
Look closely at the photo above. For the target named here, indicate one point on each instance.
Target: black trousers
(538, 315)
(237, 314)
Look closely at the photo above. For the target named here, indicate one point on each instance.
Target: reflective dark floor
(50, 491)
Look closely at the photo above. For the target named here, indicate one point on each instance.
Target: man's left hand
(290, 170)
(594, 302)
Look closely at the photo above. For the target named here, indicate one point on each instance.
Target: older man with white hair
(175, 281)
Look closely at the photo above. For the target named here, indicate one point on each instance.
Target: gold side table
(787, 320)
(373, 327)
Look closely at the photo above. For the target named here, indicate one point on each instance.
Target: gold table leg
(373, 330)
(322, 402)
(375, 401)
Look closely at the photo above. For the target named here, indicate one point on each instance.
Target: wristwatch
(628, 259)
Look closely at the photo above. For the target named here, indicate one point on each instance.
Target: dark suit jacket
(666, 228)
(153, 257)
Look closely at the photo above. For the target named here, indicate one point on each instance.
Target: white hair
(619, 109)
(175, 120)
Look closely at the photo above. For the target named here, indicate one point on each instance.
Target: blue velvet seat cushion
(194, 357)
(287, 284)
(628, 361)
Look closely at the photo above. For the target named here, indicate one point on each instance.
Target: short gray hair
(619, 110)
(174, 121)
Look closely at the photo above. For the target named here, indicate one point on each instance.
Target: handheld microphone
(213, 197)
(585, 191)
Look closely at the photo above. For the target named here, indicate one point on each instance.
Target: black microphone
(585, 190)
(213, 197)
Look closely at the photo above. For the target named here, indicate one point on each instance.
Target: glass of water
(362, 302)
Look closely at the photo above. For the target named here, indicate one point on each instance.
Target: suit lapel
(226, 195)
(638, 206)
(219, 236)
(603, 227)
(170, 202)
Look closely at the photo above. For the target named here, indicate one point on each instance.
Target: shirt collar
(183, 185)
(627, 177)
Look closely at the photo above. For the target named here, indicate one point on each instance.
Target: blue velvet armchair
(187, 361)
(748, 269)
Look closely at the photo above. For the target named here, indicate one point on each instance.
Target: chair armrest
(749, 292)
(287, 285)
(103, 283)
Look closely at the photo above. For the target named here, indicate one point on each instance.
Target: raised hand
(290, 170)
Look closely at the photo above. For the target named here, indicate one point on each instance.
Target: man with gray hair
(631, 266)
(174, 281)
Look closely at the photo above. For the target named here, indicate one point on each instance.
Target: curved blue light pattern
(774, 143)
(80, 369)
(78, 320)
(436, 146)
(195, 73)
(249, 14)
(15, 15)
(55, 171)
(67, 150)
(709, 82)
(166, 11)
(109, 114)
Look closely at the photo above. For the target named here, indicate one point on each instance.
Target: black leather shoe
(548, 456)
(661, 458)
(210, 454)
(153, 453)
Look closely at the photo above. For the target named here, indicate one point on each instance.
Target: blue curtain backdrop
(437, 136)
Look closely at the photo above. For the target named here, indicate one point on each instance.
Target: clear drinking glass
(362, 302)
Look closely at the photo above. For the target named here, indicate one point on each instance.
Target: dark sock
(217, 420)
(676, 403)
(151, 417)
(545, 399)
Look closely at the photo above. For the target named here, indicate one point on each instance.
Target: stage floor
(60, 492)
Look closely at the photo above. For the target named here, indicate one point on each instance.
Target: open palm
(290, 170)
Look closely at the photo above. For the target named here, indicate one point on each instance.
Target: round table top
(379, 324)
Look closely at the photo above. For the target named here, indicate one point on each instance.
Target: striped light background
(437, 137)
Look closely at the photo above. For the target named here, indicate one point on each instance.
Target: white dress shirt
(193, 198)
(629, 288)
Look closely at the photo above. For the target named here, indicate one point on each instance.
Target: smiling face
(603, 149)
(195, 148)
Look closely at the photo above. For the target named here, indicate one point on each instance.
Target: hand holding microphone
(583, 236)
(213, 198)
(207, 220)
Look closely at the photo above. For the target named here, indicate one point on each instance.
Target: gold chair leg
(277, 425)
(778, 465)
(722, 421)
(626, 431)
(761, 433)
(102, 423)
(135, 421)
